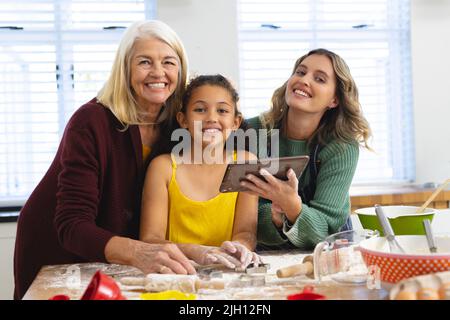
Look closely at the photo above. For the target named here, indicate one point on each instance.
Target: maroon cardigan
(91, 192)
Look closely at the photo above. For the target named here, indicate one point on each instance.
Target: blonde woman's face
(154, 72)
(312, 87)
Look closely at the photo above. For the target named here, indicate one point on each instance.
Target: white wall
(430, 43)
(209, 32)
(208, 29)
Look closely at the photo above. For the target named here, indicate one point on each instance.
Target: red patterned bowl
(416, 260)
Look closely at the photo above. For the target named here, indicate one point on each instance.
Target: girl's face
(154, 72)
(210, 115)
(312, 87)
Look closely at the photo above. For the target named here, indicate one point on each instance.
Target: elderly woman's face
(154, 72)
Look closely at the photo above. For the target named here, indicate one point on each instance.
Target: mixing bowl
(416, 260)
(404, 219)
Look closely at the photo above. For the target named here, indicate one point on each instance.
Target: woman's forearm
(154, 239)
(148, 257)
(190, 250)
(292, 208)
(120, 250)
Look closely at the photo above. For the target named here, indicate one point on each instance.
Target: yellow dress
(207, 222)
(145, 152)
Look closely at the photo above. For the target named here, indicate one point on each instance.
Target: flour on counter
(277, 261)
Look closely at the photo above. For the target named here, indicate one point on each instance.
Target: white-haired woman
(86, 208)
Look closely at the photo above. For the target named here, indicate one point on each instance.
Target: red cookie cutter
(101, 287)
(306, 294)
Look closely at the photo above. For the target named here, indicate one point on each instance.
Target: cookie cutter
(261, 268)
(210, 272)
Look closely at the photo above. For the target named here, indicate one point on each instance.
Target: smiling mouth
(158, 85)
(302, 93)
(211, 130)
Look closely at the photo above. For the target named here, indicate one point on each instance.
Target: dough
(132, 281)
(162, 282)
(154, 282)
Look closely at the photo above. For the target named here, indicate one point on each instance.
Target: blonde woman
(317, 113)
(86, 208)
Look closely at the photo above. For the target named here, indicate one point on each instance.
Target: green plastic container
(404, 219)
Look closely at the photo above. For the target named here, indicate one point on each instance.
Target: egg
(406, 295)
(444, 291)
(428, 294)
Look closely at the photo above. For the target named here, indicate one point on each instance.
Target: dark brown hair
(164, 143)
(216, 80)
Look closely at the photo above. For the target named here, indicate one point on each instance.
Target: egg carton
(435, 286)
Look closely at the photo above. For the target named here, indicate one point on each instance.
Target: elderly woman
(86, 208)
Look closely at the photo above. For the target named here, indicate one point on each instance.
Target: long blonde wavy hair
(345, 123)
(117, 93)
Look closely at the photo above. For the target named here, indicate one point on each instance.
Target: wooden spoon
(431, 198)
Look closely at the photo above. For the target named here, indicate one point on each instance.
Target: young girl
(181, 199)
(317, 113)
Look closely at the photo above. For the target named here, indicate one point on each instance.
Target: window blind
(373, 37)
(54, 56)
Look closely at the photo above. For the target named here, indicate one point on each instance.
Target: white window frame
(63, 40)
(394, 159)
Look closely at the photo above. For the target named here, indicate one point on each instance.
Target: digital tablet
(278, 167)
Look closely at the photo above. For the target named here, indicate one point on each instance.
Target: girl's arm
(246, 220)
(243, 240)
(246, 214)
(155, 201)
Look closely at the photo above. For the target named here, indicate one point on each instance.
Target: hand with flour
(204, 255)
(160, 258)
(231, 254)
(241, 252)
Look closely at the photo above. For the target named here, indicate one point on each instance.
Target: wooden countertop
(409, 195)
(59, 279)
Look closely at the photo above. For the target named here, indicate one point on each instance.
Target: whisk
(429, 235)
(394, 246)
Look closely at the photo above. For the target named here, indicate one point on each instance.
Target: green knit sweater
(329, 208)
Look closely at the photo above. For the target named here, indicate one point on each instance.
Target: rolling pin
(304, 268)
(163, 282)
